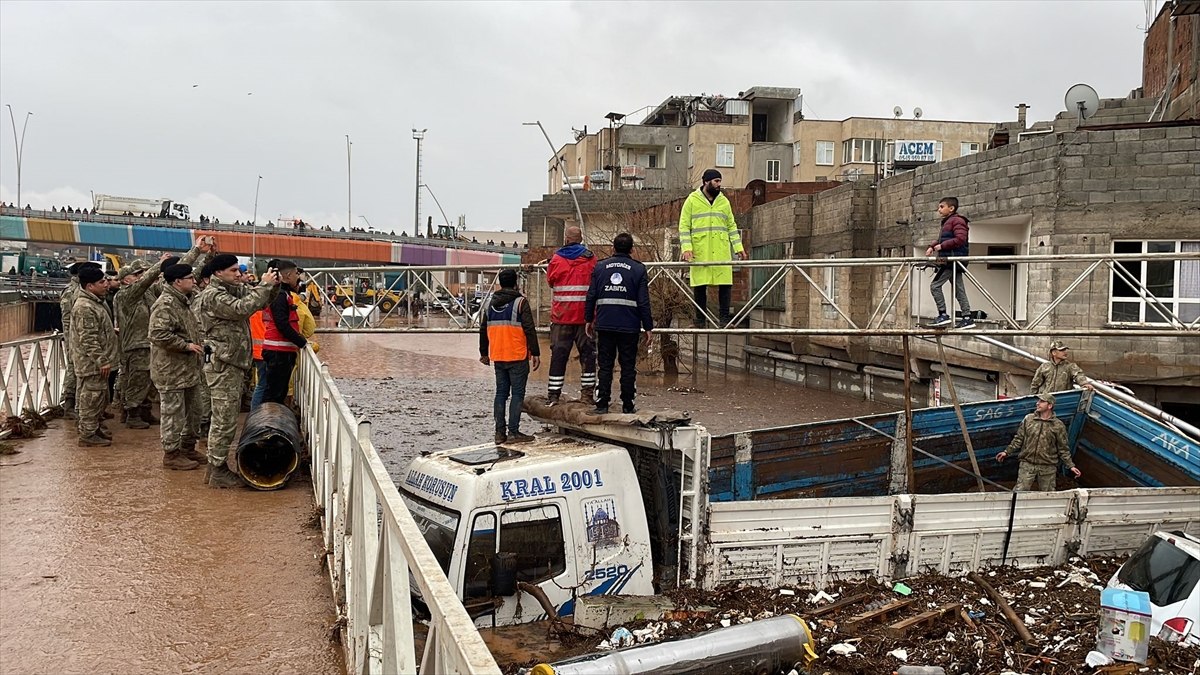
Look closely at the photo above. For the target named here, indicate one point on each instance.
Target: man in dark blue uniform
(617, 310)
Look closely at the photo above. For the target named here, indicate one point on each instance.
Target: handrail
(32, 375)
(374, 547)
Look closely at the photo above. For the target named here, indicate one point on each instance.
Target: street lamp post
(254, 225)
(20, 147)
(419, 136)
(349, 201)
(562, 169)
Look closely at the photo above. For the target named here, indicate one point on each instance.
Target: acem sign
(916, 152)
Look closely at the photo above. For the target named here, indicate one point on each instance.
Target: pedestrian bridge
(165, 234)
(111, 564)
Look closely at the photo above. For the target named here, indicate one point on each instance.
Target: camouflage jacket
(1041, 441)
(194, 257)
(1051, 377)
(67, 302)
(172, 328)
(93, 342)
(225, 311)
(131, 305)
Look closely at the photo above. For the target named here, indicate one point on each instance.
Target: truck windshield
(438, 524)
(1161, 569)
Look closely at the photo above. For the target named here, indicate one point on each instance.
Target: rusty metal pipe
(775, 645)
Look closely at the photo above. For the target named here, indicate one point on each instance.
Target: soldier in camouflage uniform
(1041, 443)
(131, 306)
(66, 303)
(175, 353)
(95, 354)
(1058, 374)
(204, 275)
(225, 309)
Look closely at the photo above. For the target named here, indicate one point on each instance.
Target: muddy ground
(1062, 617)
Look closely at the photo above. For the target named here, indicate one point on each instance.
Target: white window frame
(691, 155)
(778, 170)
(829, 281)
(865, 149)
(1186, 307)
(797, 152)
(965, 148)
(826, 153)
(725, 155)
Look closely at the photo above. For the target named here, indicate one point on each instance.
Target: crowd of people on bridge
(193, 334)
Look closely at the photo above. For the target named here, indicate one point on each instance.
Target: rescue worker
(175, 362)
(1041, 443)
(508, 342)
(707, 233)
(617, 309)
(95, 353)
(1058, 374)
(258, 332)
(569, 275)
(225, 309)
(281, 338)
(131, 307)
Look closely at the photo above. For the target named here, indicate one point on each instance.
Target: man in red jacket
(950, 245)
(569, 275)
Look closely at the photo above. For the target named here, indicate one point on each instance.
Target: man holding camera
(175, 352)
(225, 309)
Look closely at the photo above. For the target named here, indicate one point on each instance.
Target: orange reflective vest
(258, 333)
(273, 338)
(506, 337)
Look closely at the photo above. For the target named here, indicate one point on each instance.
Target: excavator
(362, 292)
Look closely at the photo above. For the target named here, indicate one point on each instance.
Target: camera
(208, 354)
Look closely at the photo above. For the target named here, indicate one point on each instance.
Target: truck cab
(561, 513)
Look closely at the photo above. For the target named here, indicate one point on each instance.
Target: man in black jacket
(617, 310)
(282, 340)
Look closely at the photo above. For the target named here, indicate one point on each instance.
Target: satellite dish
(1082, 99)
(917, 112)
(897, 112)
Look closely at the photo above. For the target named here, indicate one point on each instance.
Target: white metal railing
(373, 546)
(33, 373)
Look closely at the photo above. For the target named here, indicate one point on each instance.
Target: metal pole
(20, 147)
(349, 194)
(254, 226)
(419, 135)
(562, 169)
(908, 441)
(962, 423)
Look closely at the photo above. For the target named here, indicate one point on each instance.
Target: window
(829, 282)
(1161, 569)
(437, 524)
(691, 155)
(536, 537)
(480, 548)
(796, 153)
(759, 276)
(772, 171)
(968, 149)
(825, 153)
(724, 154)
(867, 150)
(652, 160)
(1175, 284)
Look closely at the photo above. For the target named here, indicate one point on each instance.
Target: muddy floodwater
(430, 392)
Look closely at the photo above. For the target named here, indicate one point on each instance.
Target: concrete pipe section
(775, 645)
(269, 450)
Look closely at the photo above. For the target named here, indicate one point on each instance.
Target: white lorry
(110, 205)
(609, 509)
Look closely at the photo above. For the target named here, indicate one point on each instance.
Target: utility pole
(20, 147)
(562, 169)
(349, 201)
(254, 226)
(419, 136)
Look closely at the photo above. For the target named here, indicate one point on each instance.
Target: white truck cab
(561, 513)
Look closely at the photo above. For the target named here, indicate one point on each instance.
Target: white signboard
(916, 151)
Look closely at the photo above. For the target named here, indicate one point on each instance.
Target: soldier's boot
(132, 421)
(68, 405)
(94, 441)
(176, 461)
(104, 433)
(587, 394)
(147, 413)
(219, 476)
(106, 414)
(553, 397)
(189, 450)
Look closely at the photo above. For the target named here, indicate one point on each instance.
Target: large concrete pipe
(775, 645)
(269, 450)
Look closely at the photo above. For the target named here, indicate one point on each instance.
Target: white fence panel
(33, 372)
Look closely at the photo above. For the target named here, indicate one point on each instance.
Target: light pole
(349, 202)
(19, 146)
(419, 136)
(254, 226)
(562, 169)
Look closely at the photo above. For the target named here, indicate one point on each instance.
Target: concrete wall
(704, 139)
(761, 152)
(1173, 42)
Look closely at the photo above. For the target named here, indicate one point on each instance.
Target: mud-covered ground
(1062, 616)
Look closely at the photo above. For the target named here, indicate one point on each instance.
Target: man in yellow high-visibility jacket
(708, 233)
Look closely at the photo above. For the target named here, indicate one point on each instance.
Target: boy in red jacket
(951, 244)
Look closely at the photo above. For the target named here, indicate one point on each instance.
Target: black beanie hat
(176, 272)
(223, 261)
(710, 174)
(171, 260)
(90, 274)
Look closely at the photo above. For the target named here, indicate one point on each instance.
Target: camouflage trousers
(204, 404)
(135, 382)
(91, 397)
(69, 381)
(1029, 473)
(225, 386)
(180, 425)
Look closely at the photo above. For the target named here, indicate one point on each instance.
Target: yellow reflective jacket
(710, 233)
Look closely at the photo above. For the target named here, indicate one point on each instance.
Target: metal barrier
(33, 373)
(373, 547)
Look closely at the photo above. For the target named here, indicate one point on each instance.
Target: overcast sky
(194, 101)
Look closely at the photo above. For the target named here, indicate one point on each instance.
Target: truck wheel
(386, 306)
(347, 303)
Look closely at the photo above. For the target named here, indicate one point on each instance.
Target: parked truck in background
(111, 205)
